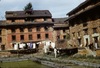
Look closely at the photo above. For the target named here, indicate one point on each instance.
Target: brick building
(84, 23)
(31, 26)
(60, 28)
(25, 26)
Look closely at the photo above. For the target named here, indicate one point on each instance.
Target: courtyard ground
(72, 61)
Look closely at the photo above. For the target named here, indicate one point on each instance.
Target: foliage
(28, 7)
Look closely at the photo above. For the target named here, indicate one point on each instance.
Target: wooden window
(0, 32)
(38, 36)
(85, 31)
(13, 20)
(13, 31)
(58, 37)
(21, 30)
(13, 37)
(94, 30)
(30, 37)
(38, 28)
(73, 34)
(79, 41)
(64, 36)
(0, 39)
(2, 47)
(29, 20)
(46, 36)
(30, 29)
(64, 30)
(45, 19)
(22, 37)
(46, 28)
(85, 24)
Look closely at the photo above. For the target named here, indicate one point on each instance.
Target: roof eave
(78, 7)
(71, 17)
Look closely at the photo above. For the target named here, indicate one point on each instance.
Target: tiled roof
(23, 14)
(60, 22)
(97, 7)
(78, 7)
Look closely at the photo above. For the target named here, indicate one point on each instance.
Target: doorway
(87, 42)
(79, 41)
(96, 42)
(2, 47)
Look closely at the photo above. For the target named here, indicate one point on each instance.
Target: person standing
(55, 52)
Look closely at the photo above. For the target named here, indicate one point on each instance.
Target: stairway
(90, 52)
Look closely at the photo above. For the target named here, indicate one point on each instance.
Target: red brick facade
(23, 29)
(35, 29)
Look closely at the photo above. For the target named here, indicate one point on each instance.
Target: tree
(28, 7)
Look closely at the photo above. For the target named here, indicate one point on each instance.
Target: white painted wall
(95, 35)
(86, 37)
(16, 46)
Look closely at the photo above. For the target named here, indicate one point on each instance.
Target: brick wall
(39, 20)
(20, 21)
(79, 28)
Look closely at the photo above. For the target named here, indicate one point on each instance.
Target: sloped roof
(97, 7)
(78, 7)
(23, 14)
(60, 22)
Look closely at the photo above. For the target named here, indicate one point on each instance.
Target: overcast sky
(58, 8)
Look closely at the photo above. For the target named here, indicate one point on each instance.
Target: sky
(58, 8)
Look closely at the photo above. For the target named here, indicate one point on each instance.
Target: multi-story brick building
(31, 26)
(25, 26)
(59, 34)
(84, 23)
(60, 28)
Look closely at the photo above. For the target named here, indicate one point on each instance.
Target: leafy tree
(28, 7)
